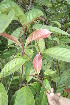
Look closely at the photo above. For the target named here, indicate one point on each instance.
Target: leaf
(66, 25)
(3, 95)
(35, 87)
(24, 96)
(59, 53)
(29, 70)
(44, 2)
(68, 1)
(49, 72)
(12, 66)
(37, 63)
(41, 45)
(44, 99)
(13, 99)
(38, 34)
(50, 28)
(47, 84)
(11, 38)
(33, 14)
(7, 5)
(67, 90)
(5, 20)
(57, 24)
(15, 34)
(42, 92)
(30, 52)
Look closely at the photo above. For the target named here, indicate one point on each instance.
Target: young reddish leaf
(37, 63)
(11, 38)
(38, 34)
(67, 90)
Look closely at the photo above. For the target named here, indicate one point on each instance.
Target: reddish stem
(20, 4)
(25, 4)
(40, 82)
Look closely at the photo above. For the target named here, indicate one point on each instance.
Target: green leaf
(57, 24)
(51, 28)
(41, 45)
(68, 1)
(13, 99)
(66, 25)
(5, 20)
(3, 95)
(15, 34)
(40, 96)
(33, 14)
(7, 5)
(43, 92)
(29, 70)
(44, 100)
(24, 96)
(35, 87)
(49, 72)
(44, 2)
(12, 66)
(47, 85)
(59, 53)
(30, 52)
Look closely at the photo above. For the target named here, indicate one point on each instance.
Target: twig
(14, 55)
(27, 24)
(28, 56)
(10, 83)
(42, 84)
(21, 77)
(38, 46)
(30, 4)
(25, 4)
(20, 4)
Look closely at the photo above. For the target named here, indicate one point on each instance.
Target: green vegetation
(34, 50)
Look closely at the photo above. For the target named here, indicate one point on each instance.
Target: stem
(38, 46)
(29, 57)
(23, 52)
(20, 4)
(10, 83)
(14, 54)
(45, 42)
(25, 4)
(27, 24)
(23, 38)
(30, 4)
(42, 84)
(21, 77)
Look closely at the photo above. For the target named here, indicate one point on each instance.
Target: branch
(20, 4)
(30, 4)
(25, 4)
(40, 82)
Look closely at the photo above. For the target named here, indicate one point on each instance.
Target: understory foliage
(34, 50)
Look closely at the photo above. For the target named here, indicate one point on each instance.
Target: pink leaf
(37, 63)
(7, 36)
(38, 34)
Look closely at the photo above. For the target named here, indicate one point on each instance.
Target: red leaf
(11, 38)
(67, 90)
(38, 34)
(37, 63)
